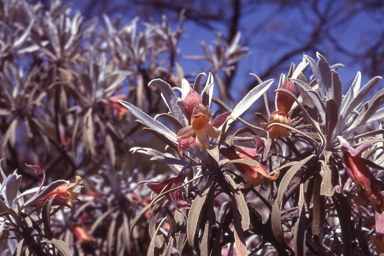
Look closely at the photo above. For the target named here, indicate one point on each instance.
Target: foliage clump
(306, 180)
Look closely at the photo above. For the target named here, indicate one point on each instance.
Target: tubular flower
(118, 110)
(191, 101)
(275, 131)
(377, 239)
(356, 167)
(175, 197)
(253, 173)
(199, 129)
(82, 235)
(283, 103)
(64, 194)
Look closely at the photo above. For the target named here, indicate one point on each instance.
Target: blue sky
(287, 27)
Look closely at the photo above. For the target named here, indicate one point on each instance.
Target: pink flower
(284, 103)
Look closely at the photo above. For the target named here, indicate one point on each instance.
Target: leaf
(344, 210)
(318, 210)
(19, 248)
(176, 125)
(323, 76)
(300, 226)
(139, 215)
(194, 215)
(250, 98)
(331, 119)
(196, 84)
(276, 208)
(337, 89)
(205, 240)
(327, 187)
(241, 204)
(241, 248)
(101, 218)
(46, 190)
(148, 121)
(12, 186)
(170, 100)
(111, 149)
(314, 96)
(46, 217)
(126, 233)
(59, 244)
(151, 247)
(89, 136)
(10, 135)
(206, 95)
(111, 235)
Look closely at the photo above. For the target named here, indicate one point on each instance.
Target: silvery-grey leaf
(12, 188)
(351, 94)
(300, 68)
(377, 116)
(185, 88)
(169, 160)
(291, 70)
(3, 208)
(170, 99)
(24, 36)
(334, 67)
(250, 98)
(206, 95)
(314, 96)
(148, 121)
(2, 171)
(323, 75)
(362, 94)
(355, 99)
(338, 90)
(176, 125)
(120, 78)
(367, 111)
(196, 84)
(281, 81)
